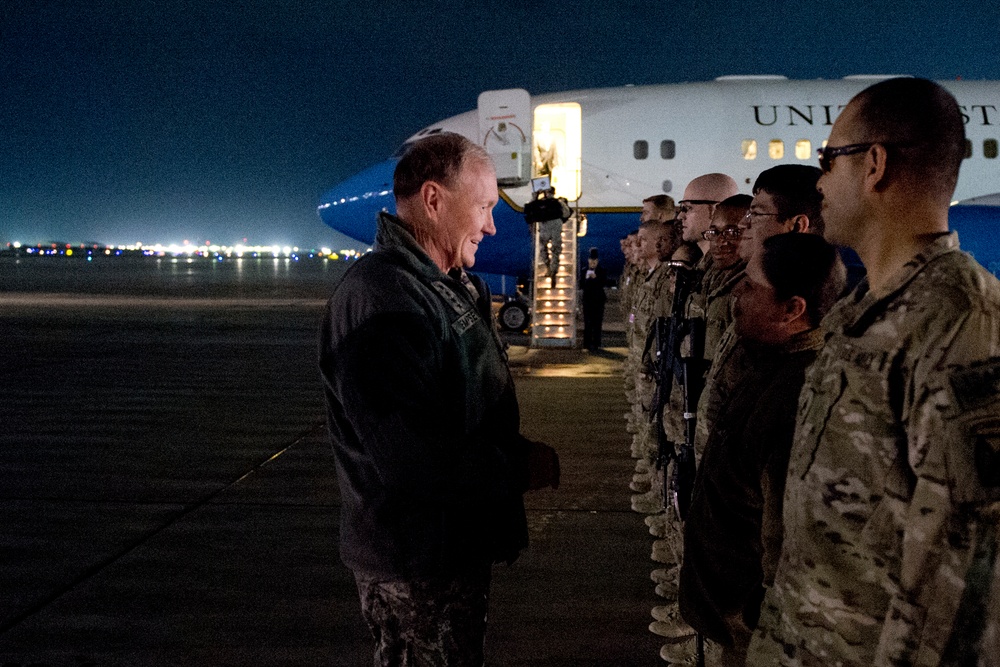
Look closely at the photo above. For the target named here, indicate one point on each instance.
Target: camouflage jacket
(648, 293)
(893, 488)
(718, 288)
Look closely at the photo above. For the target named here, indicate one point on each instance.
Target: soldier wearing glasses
(785, 199)
(702, 197)
(893, 489)
(724, 237)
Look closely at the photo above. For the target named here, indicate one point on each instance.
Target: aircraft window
(776, 149)
(990, 148)
(968, 149)
(640, 149)
(668, 186)
(803, 149)
(668, 149)
(749, 149)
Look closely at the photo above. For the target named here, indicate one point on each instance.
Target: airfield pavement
(169, 497)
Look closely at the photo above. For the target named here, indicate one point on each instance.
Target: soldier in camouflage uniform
(893, 491)
(626, 290)
(658, 208)
(653, 236)
(785, 201)
(701, 199)
(727, 269)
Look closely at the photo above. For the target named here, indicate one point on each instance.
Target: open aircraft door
(505, 132)
(558, 147)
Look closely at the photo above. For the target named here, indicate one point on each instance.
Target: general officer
(893, 488)
(423, 417)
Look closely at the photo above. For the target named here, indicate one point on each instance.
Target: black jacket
(423, 419)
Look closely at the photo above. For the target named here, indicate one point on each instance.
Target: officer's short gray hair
(439, 158)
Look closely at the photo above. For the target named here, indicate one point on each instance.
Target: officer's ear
(432, 197)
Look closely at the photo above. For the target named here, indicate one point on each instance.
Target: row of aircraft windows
(776, 149)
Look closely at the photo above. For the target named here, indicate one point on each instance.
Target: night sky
(172, 120)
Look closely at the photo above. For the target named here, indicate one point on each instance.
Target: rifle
(688, 368)
(669, 366)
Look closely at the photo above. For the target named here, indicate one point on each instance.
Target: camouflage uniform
(730, 363)
(648, 294)
(626, 291)
(893, 488)
(426, 622)
(718, 289)
(631, 277)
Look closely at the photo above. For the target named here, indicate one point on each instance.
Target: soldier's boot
(685, 653)
(669, 623)
(641, 481)
(667, 590)
(678, 652)
(657, 524)
(665, 575)
(638, 448)
(664, 552)
(650, 502)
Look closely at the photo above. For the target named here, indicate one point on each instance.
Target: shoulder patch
(977, 386)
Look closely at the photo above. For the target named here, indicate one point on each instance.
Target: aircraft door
(558, 147)
(505, 132)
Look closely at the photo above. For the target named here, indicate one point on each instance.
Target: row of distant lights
(347, 200)
(219, 252)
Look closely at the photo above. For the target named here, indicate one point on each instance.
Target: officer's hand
(543, 467)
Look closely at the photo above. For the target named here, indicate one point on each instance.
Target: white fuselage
(710, 123)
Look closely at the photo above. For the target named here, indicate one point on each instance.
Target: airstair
(553, 307)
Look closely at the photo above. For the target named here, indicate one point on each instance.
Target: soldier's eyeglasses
(828, 153)
(748, 219)
(727, 234)
(684, 205)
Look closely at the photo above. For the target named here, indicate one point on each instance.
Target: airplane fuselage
(638, 141)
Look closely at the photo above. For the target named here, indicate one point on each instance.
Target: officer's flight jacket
(423, 419)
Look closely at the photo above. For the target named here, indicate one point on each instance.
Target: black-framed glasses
(684, 205)
(727, 234)
(748, 219)
(828, 153)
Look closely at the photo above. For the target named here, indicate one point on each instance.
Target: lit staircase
(553, 309)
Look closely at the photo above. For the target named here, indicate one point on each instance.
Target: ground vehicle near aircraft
(608, 149)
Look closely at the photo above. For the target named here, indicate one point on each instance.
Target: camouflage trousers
(426, 623)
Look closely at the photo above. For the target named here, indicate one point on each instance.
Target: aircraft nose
(352, 206)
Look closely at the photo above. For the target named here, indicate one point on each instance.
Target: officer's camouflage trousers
(426, 623)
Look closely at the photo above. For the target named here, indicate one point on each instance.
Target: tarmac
(169, 495)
